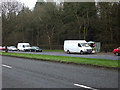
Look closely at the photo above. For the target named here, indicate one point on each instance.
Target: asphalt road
(101, 56)
(25, 73)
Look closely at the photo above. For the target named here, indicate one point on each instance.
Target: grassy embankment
(56, 50)
(76, 60)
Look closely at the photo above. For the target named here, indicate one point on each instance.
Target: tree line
(49, 24)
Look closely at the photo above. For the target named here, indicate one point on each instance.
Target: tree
(48, 20)
(49, 24)
(9, 11)
(81, 15)
(108, 17)
(23, 22)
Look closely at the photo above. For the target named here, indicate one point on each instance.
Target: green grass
(77, 60)
(56, 50)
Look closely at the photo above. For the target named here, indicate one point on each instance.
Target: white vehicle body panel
(23, 46)
(73, 47)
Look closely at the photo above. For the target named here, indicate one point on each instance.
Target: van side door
(79, 47)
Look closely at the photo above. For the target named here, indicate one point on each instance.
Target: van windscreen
(26, 45)
(85, 44)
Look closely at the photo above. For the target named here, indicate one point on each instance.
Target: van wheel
(81, 52)
(116, 53)
(68, 51)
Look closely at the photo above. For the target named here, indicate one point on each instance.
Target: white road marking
(6, 66)
(83, 86)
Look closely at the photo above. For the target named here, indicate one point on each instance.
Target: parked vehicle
(35, 49)
(77, 46)
(0, 47)
(12, 48)
(117, 51)
(3, 48)
(23, 47)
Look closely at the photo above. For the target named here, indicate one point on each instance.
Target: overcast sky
(29, 3)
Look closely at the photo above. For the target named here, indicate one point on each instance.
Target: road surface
(25, 73)
(101, 56)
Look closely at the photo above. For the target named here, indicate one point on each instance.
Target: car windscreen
(84, 45)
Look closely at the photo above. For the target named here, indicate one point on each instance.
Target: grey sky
(31, 3)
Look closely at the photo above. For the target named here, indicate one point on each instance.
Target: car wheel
(68, 51)
(81, 52)
(116, 53)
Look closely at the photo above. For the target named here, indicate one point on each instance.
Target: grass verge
(56, 50)
(76, 60)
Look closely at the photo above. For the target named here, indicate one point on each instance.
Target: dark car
(117, 51)
(35, 49)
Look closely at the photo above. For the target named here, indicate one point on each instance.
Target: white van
(23, 47)
(77, 46)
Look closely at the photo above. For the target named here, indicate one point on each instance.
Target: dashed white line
(83, 86)
(6, 66)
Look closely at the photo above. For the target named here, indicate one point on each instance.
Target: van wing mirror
(79, 45)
